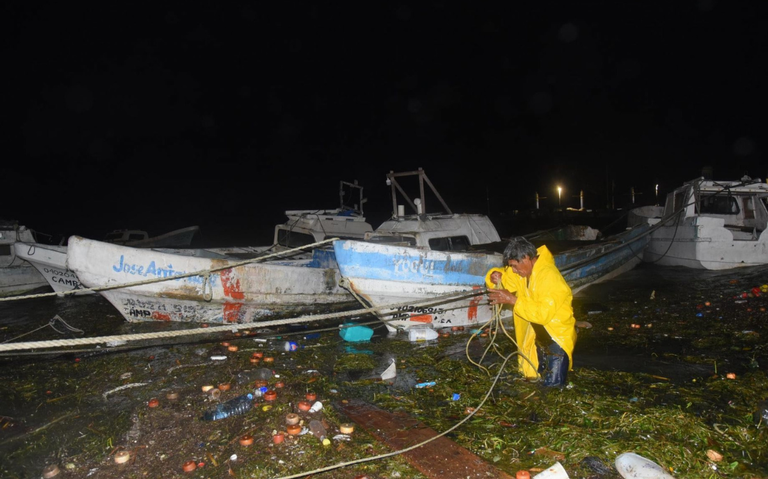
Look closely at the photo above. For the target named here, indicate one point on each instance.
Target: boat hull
(16, 275)
(20, 279)
(236, 294)
(704, 243)
(51, 262)
(415, 279)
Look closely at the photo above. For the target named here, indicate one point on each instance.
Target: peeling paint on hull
(241, 294)
(383, 275)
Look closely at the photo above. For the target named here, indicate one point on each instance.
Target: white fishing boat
(16, 275)
(228, 291)
(420, 271)
(302, 228)
(706, 224)
(51, 262)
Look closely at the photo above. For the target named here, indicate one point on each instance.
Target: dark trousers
(553, 364)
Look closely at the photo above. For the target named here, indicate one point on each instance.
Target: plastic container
(557, 471)
(233, 407)
(633, 465)
(258, 392)
(316, 406)
(291, 346)
(354, 333)
(421, 334)
(318, 430)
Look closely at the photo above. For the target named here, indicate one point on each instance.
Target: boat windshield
(452, 243)
(718, 205)
(293, 239)
(394, 240)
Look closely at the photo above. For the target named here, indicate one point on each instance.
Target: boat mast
(419, 208)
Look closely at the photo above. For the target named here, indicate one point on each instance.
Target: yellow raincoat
(545, 300)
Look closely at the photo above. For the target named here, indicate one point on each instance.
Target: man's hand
(501, 296)
(495, 277)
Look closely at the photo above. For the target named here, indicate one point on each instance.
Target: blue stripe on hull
(381, 262)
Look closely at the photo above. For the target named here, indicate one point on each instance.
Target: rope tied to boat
(207, 287)
(52, 325)
(229, 328)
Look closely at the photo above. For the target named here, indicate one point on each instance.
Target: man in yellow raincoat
(541, 301)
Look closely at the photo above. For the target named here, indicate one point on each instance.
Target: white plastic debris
(631, 465)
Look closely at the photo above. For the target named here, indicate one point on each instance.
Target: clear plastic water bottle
(318, 430)
(233, 407)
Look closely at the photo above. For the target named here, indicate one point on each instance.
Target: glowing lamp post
(559, 193)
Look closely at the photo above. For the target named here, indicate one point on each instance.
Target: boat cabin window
(718, 205)
(452, 243)
(135, 236)
(113, 236)
(293, 239)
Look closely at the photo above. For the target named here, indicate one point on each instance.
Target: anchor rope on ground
(215, 329)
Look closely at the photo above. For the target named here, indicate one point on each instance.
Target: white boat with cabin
(706, 224)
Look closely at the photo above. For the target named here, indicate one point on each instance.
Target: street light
(559, 191)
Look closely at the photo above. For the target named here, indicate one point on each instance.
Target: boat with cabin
(429, 269)
(707, 224)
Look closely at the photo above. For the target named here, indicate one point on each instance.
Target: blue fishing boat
(440, 282)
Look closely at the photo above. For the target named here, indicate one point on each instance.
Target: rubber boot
(557, 364)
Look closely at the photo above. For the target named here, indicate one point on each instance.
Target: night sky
(224, 114)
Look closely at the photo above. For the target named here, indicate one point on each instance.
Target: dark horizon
(225, 116)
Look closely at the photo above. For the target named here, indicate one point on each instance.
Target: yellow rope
(494, 325)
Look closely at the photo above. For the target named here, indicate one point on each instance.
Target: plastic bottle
(316, 406)
(421, 334)
(233, 407)
(259, 392)
(318, 430)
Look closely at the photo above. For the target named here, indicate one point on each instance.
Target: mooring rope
(415, 446)
(224, 328)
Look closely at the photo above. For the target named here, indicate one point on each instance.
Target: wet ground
(670, 363)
